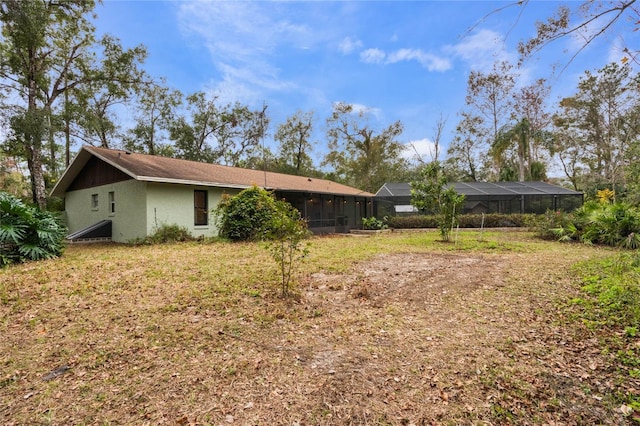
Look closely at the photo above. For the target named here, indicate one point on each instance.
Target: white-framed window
(94, 202)
(112, 202)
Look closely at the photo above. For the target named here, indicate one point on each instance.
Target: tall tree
(600, 123)
(48, 49)
(490, 98)
(295, 145)
(518, 136)
(97, 99)
(240, 143)
(359, 155)
(155, 110)
(530, 103)
(465, 155)
(194, 137)
(231, 134)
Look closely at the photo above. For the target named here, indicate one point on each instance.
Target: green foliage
(612, 300)
(168, 234)
(553, 225)
(58, 76)
(614, 287)
(253, 215)
(27, 233)
(372, 223)
(430, 194)
(287, 231)
(295, 145)
(229, 134)
(616, 224)
(360, 155)
(246, 216)
(493, 220)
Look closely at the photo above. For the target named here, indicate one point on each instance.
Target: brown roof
(153, 168)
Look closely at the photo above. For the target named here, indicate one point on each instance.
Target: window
(112, 202)
(94, 201)
(200, 207)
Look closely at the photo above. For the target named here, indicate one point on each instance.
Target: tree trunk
(33, 135)
(37, 176)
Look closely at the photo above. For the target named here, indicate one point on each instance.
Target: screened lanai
(485, 197)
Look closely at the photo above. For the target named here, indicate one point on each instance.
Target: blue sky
(400, 60)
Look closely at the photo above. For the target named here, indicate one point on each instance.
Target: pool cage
(394, 199)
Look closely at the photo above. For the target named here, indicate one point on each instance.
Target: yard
(394, 329)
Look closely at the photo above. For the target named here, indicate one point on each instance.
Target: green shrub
(613, 224)
(430, 194)
(169, 234)
(246, 216)
(285, 234)
(254, 214)
(553, 225)
(27, 233)
(371, 223)
(493, 220)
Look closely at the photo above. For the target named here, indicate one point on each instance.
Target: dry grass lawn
(395, 329)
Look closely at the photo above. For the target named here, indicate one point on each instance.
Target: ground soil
(459, 339)
(413, 338)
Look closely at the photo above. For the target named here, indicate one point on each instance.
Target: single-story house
(122, 195)
(484, 197)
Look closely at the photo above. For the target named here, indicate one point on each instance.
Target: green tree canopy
(47, 51)
(359, 155)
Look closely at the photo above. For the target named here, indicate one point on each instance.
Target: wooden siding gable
(97, 173)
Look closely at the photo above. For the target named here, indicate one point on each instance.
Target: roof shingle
(153, 168)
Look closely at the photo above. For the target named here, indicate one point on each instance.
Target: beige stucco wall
(129, 219)
(172, 204)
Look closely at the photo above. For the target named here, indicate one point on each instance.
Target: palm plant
(27, 233)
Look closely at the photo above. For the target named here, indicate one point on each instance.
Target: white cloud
(364, 109)
(237, 29)
(242, 39)
(481, 50)
(347, 45)
(420, 150)
(372, 56)
(245, 85)
(360, 109)
(427, 60)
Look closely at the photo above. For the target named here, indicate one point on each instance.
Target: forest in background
(62, 87)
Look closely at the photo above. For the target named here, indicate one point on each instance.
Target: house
(123, 195)
(485, 197)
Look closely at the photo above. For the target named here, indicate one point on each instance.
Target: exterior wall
(129, 218)
(170, 204)
(142, 207)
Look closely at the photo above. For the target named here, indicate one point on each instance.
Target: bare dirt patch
(456, 338)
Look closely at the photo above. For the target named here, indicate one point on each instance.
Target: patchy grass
(390, 329)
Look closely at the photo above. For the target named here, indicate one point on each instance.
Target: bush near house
(166, 233)
(246, 216)
(27, 233)
(255, 215)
